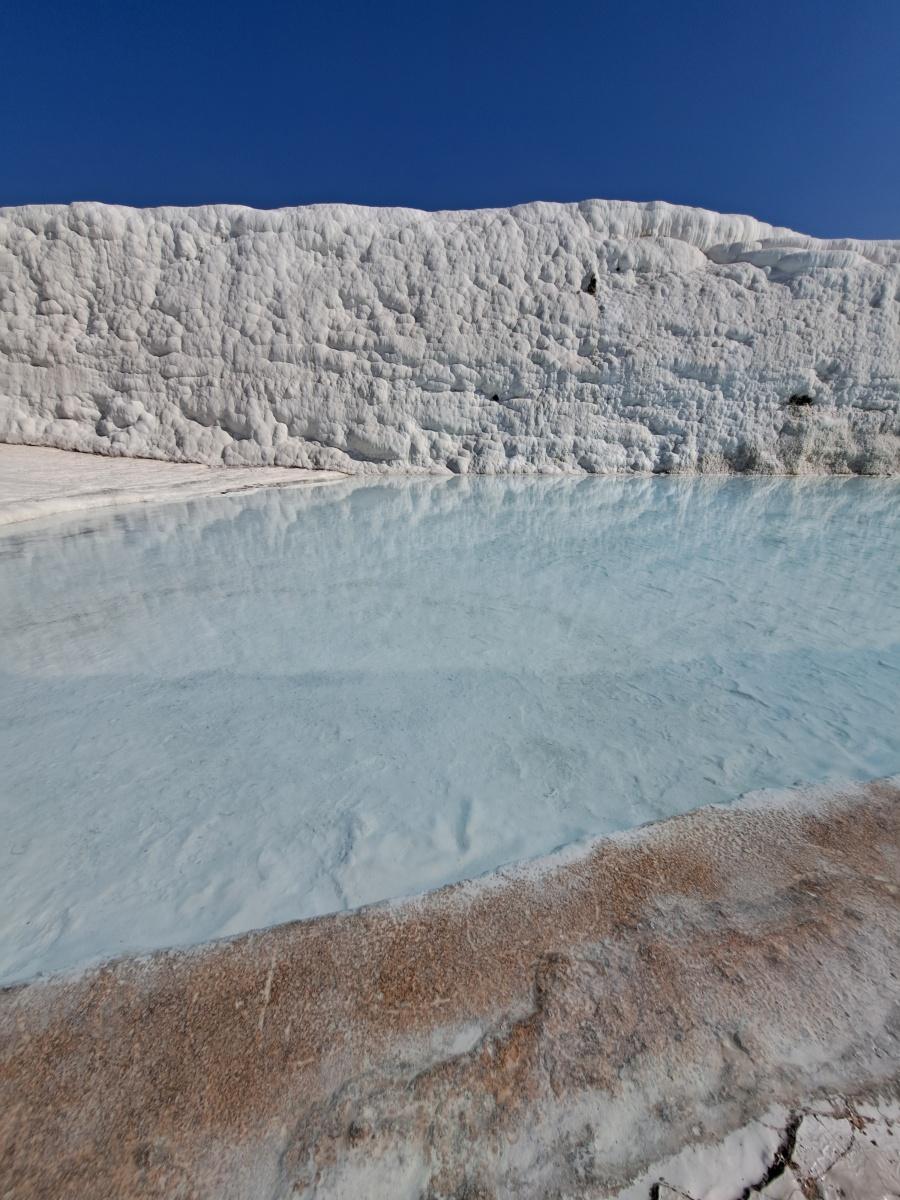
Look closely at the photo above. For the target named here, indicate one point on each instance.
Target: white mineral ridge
(601, 336)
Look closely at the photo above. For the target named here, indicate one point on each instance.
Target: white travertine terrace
(36, 483)
(601, 336)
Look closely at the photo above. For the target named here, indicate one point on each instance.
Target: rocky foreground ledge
(707, 1007)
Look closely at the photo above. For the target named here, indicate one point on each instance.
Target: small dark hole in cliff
(800, 400)
(495, 398)
(590, 285)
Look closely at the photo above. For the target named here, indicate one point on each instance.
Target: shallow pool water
(220, 715)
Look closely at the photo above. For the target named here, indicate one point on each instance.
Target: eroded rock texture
(602, 336)
(547, 1032)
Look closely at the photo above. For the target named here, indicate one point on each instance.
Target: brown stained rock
(545, 1032)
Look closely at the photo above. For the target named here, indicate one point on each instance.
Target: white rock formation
(36, 483)
(602, 336)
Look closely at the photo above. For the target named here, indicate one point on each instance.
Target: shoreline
(586, 1025)
(38, 483)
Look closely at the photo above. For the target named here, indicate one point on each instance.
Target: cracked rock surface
(705, 1007)
(828, 1150)
(603, 336)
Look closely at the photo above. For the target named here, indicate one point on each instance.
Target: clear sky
(787, 109)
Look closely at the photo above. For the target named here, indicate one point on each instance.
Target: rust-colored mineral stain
(700, 949)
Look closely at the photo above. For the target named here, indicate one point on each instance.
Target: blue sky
(788, 110)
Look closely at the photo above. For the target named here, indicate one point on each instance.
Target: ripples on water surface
(225, 714)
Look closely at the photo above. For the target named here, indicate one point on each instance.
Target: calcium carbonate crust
(599, 337)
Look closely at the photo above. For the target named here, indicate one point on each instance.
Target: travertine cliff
(601, 336)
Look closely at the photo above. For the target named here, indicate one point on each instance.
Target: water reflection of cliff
(551, 541)
(275, 705)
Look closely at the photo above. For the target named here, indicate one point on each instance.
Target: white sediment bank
(601, 336)
(37, 483)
